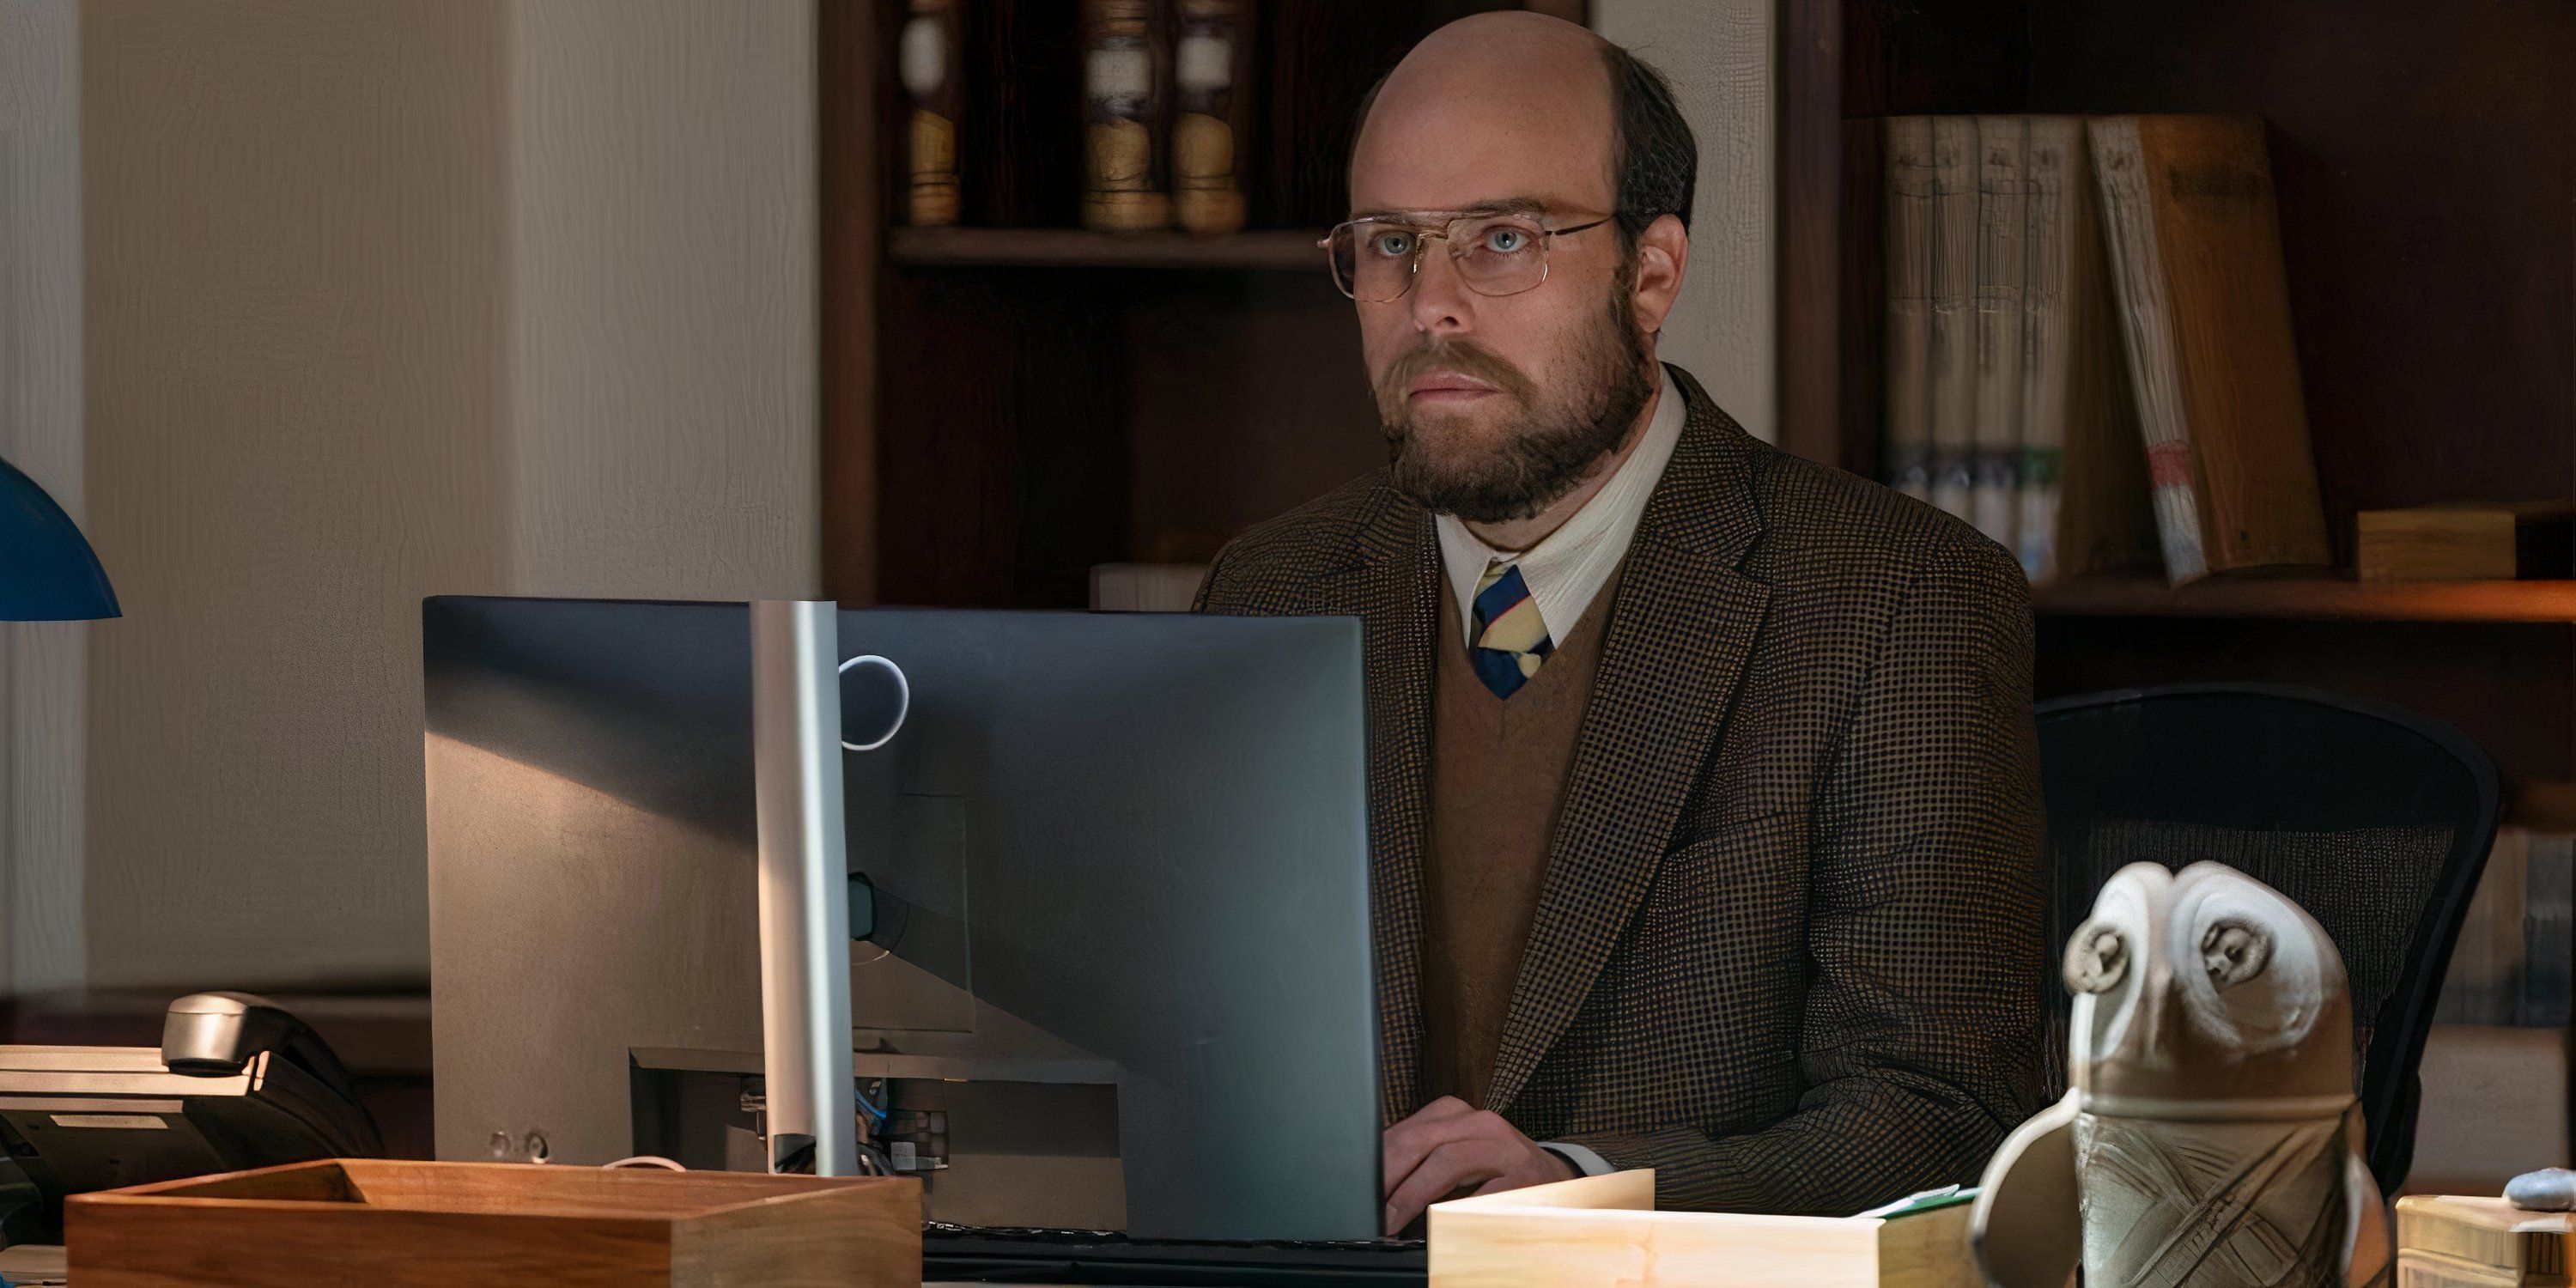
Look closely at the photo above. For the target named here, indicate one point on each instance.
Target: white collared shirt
(1568, 567)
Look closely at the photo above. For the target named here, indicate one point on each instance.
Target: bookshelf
(2316, 596)
(1280, 250)
(2425, 160)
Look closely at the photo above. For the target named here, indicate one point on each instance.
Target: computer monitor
(1116, 958)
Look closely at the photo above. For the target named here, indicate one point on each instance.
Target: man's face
(1494, 406)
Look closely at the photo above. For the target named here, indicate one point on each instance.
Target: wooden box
(388, 1224)
(2449, 1242)
(1601, 1231)
(2499, 542)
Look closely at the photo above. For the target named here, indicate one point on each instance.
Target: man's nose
(1442, 304)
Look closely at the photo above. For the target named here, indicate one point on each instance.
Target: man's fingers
(1456, 1163)
(1405, 1144)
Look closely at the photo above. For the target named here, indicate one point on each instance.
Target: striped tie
(1510, 639)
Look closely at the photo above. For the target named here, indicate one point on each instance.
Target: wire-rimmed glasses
(1496, 253)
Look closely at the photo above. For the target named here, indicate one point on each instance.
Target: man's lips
(1447, 386)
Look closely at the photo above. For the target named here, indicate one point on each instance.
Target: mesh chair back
(2375, 820)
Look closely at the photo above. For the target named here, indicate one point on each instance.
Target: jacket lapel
(1680, 628)
(1390, 581)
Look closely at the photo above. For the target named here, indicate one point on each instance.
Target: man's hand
(1446, 1146)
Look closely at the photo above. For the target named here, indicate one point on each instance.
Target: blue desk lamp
(47, 571)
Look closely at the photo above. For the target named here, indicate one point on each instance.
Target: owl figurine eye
(2096, 958)
(2233, 951)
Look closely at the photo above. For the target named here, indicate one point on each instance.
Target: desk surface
(41, 1266)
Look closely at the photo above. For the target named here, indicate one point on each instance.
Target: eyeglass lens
(1373, 261)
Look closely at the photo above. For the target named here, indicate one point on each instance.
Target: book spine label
(1211, 73)
(1123, 121)
(2171, 473)
(927, 57)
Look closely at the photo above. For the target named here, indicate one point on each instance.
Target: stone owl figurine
(2210, 1138)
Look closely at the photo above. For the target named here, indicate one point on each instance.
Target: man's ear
(1663, 253)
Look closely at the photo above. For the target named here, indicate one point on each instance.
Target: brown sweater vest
(1498, 771)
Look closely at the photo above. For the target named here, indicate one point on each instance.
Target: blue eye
(1506, 240)
(1391, 244)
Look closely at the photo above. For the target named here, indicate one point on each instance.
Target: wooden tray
(387, 1224)
(1603, 1232)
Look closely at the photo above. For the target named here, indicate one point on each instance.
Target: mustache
(1465, 357)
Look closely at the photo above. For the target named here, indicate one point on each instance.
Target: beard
(1559, 438)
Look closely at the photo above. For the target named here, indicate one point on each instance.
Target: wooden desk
(35, 1266)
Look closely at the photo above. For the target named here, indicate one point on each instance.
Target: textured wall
(43, 665)
(662, 286)
(393, 299)
(295, 346)
(1718, 53)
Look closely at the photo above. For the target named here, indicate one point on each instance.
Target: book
(1950, 380)
(1124, 74)
(2003, 212)
(2195, 241)
(1212, 114)
(928, 56)
(2497, 541)
(1908, 466)
(2083, 472)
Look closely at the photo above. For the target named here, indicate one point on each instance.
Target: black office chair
(2374, 819)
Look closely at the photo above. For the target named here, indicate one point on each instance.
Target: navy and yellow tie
(1510, 639)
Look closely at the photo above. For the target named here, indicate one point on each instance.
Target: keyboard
(982, 1254)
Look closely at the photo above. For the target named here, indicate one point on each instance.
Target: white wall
(1719, 56)
(43, 665)
(394, 299)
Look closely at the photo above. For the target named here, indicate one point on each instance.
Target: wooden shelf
(1078, 248)
(2318, 597)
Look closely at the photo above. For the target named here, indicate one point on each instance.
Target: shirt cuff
(1585, 1161)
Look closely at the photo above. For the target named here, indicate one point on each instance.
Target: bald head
(1509, 93)
(1506, 104)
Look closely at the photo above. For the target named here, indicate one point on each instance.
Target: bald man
(1705, 828)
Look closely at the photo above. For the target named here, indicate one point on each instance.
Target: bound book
(930, 54)
(2083, 473)
(1124, 74)
(2003, 213)
(1211, 83)
(2195, 242)
(1908, 467)
(1952, 355)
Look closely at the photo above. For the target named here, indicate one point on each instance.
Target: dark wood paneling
(1860, 331)
(1003, 470)
(1020, 145)
(1247, 397)
(2510, 687)
(1809, 166)
(849, 104)
(2425, 157)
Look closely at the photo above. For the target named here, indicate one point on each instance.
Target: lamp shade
(47, 571)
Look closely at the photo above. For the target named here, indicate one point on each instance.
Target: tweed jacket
(1787, 952)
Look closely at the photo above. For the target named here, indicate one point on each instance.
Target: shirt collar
(1566, 570)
